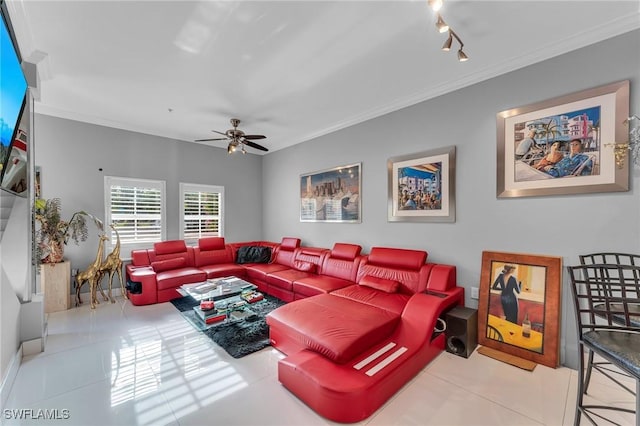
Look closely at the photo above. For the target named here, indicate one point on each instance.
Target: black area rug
(238, 338)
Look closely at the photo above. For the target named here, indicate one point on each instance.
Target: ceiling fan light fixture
(462, 57)
(237, 139)
(441, 25)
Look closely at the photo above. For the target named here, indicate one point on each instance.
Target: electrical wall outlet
(474, 293)
(74, 272)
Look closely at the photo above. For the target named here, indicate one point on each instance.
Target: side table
(55, 281)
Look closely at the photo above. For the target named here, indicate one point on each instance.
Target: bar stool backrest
(610, 258)
(606, 296)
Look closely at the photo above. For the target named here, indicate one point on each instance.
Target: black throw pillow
(254, 254)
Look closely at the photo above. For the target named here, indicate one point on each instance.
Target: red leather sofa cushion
(345, 251)
(283, 259)
(177, 277)
(284, 279)
(259, 271)
(224, 270)
(392, 302)
(213, 257)
(318, 284)
(169, 247)
(335, 327)
(211, 243)
(342, 262)
(289, 243)
(442, 278)
(301, 265)
(382, 284)
(168, 264)
(140, 258)
(397, 258)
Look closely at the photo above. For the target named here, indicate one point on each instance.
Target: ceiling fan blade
(254, 136)
(255, 145)
(220, 133)
(209, 140)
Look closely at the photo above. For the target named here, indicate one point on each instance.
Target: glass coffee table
(217, 288)
(232, 296)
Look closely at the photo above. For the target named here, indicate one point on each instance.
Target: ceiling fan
(237, 139)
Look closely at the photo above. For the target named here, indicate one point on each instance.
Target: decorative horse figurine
(113, 264)
(92, 276)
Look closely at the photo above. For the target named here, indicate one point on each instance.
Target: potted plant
(54, 233)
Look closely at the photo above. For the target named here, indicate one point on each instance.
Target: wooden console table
(55, 280)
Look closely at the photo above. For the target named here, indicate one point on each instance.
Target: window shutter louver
(136, 210)
(201, 207)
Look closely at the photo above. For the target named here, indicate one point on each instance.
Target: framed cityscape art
(564, 145)
(422, 186)
(331, 195)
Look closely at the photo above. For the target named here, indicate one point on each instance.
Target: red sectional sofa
(358, 326)
(349, 350)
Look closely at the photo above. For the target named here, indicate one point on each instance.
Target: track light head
(435, 4)
(441, 25)
(461, 56)
(447, 44)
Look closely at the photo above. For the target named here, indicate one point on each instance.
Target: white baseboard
(32, 347)
(115, 291)
(12, 372)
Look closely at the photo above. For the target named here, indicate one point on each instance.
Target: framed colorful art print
(332, 195)
(519, 305)
(564, 145)
(422, 186)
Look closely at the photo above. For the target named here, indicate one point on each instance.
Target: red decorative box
(207, 305)
(215, 318)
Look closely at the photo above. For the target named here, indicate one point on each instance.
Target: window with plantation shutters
(136, 207)
(202, 211)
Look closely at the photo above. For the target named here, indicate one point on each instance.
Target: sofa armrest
(146, 276)
(422, 311)
(441, 278)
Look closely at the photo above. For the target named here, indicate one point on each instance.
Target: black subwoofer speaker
(462, 331)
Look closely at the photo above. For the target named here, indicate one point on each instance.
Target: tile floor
(145, 365)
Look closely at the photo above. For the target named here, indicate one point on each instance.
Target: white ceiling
(291, 70)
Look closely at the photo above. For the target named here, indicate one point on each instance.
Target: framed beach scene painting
(421, 186)
(564, 145)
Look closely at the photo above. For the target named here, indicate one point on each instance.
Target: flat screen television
(13, 90)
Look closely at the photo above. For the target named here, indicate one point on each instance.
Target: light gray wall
(563, 226)
(71, 154)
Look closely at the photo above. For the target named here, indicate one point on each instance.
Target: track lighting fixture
(435, 4)
(441, 25)
(462, 57)
(447, 44)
